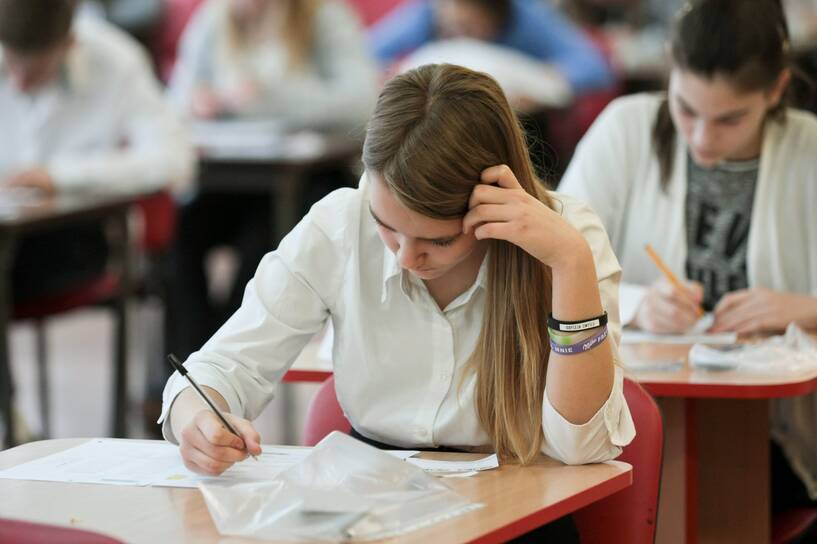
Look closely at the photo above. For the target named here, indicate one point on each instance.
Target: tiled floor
(80, 348)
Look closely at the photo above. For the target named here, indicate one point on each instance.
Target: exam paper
(432, 465)
(118, 462)
(695, 335)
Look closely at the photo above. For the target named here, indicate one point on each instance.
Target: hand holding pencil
(210, 440)
(670, 305)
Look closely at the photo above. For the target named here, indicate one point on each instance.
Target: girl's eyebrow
(441, 239)
(728, 115)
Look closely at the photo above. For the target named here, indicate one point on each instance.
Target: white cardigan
(616, 171)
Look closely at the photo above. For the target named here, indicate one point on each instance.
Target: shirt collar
(394, 274)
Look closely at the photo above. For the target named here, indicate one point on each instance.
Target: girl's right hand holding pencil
(206, 445)
(667, 309)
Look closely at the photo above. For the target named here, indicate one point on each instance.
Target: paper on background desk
(116, 462)
(235, 139)
(695, 335)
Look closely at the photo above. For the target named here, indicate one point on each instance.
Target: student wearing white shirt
(82, 111)
(446, 259)
(720, 177)
(301, 63)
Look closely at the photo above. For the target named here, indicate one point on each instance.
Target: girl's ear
(775, 94)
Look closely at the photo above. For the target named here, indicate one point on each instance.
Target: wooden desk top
(685, 381)
(516, 500)
(54, 211)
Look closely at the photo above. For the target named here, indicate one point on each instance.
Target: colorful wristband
(565, 339)
(580, 347)
(576, 326)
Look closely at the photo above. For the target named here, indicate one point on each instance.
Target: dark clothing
(718, 215)
(788, 491)
(561, 531)
(238, 220)
(55, 262)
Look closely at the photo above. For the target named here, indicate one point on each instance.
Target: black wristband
(576, 326)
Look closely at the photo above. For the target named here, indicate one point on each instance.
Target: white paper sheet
(431, 465)
(118, 462)
(696, 334)
(640, 337)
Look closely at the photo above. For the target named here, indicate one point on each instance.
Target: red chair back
(629, 516)
(159, 221)
(176, 16)
(371, 11)
(324, 414)
(25, 532)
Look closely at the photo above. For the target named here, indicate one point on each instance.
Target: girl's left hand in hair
(500, 208)
(758, 310)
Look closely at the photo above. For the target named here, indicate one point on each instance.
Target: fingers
(731, 301)
(501, 175)
(695, 290)
(201, 463)
(207, 447)
(486, 213)
(252, 440)
(487, 194)
(665, 310)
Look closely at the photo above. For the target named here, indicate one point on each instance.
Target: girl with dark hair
(439, 273)
(720, 176)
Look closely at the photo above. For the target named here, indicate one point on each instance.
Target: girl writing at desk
(439, 272)
(720, 176)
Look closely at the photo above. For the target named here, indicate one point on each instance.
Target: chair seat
(98, 290)
(791, 524)
(25, 532)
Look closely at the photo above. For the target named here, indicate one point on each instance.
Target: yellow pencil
(662, 266)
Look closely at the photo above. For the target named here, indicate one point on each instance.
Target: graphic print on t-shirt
(718, 216)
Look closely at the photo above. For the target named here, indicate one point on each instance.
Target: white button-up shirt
(399, 360)
(102, 123)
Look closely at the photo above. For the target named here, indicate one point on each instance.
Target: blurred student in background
(301, 62)
(82, 111)
(528, 26)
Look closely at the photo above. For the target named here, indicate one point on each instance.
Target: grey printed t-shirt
(718, 214)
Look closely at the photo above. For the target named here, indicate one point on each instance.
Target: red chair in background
(629, 516)
(158, 219)
(177, 13)
(25, 532)
(371, 11)
(790, 525)
(324, 414)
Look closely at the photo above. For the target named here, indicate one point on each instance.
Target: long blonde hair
(297, 30)
(433, 132)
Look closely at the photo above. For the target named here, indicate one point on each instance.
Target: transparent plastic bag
(344, 489)
(793, 351)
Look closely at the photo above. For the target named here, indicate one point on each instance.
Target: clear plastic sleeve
(344, 489)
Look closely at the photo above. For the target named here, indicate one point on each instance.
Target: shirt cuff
(595, 441)
(630, 297)
(67, 173)
(204, 375)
